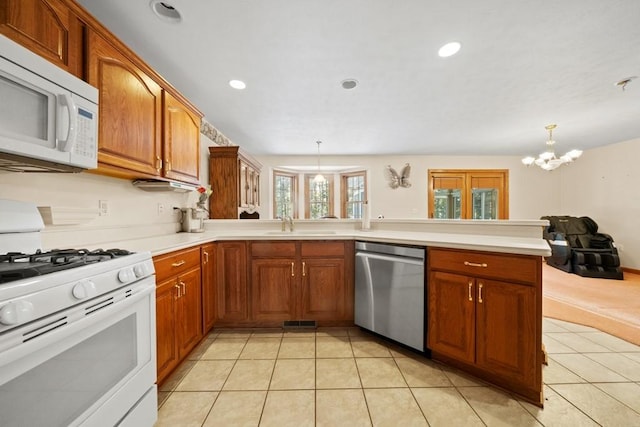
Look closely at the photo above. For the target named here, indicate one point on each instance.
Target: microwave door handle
(68, 143)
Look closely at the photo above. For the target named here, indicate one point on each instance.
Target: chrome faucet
(285, 220)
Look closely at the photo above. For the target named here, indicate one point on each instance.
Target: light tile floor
(346, 377)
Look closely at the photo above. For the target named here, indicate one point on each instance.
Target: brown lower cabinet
(208, 256)
(178, 307)
(264, 283)
(485, 316)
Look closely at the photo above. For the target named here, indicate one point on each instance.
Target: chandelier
(548, 160)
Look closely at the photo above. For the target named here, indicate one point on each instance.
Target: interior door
(446, 195)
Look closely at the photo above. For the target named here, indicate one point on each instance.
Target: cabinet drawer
(520, 268)
(322, 249)
(274, 249)
(177, 262)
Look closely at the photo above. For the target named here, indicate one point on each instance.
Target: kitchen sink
(300, 233)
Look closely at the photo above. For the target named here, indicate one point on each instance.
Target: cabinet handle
(178, 264)
(184, 288)
(158, 163)
(304, 266)
(475, 264)
(168, 165)
(470, 287)
(206, 257)
(178, 291)
(480, 293)
(292, 272)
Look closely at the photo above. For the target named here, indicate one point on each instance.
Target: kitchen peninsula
(483, 281)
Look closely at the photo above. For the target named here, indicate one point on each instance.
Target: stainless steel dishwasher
(390, 291)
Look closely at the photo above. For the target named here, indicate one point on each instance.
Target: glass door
(468, 194)
(446, 195)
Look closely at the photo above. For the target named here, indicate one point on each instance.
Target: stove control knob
(126, 275)
(141, 270)
(84, 289)
(16, 312)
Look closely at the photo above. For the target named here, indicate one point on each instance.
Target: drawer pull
(470, 287)
(178, 264)
(292, 272)
(304, 268)
(480, 293)
(475, 264)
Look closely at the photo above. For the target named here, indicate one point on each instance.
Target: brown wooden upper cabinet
(144, 131)
(130, 121)
(468, 194)
(46, 27)
(181, 141)
(235, 181)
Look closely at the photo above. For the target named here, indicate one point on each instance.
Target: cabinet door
(273, 289)
(231, 281)
(451, 328)
(46, 27)
(189, 311)
(208, 287)
(166, 333)
(324, 294)
(181, 141)
(506, 330)
(129, 129)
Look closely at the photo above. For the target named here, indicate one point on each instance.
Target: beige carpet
(613, 306)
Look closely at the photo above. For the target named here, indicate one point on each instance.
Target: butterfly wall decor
(398, 180)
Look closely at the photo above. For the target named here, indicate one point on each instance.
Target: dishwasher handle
(391, 258)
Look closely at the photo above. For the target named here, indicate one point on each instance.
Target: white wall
(532, 191)
(603, 185)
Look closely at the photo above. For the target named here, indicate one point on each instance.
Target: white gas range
(77, 331)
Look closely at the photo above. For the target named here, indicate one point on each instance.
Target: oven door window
(58, 391)
(86, 365)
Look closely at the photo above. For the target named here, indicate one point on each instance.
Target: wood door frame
(466, 175)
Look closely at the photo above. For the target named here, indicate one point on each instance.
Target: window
(285, 195)
(469, 194)
(318, 197)
(353, 191)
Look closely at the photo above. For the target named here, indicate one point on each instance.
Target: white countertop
(506, 244)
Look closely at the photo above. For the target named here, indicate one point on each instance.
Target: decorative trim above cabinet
(208, 130)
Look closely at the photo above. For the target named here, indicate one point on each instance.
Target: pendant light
(319, 177)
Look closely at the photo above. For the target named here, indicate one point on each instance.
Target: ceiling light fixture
(624, 82)
(165, 11)
(548, 160)
(319, 177)
(449, 49)
(237, 84)
(349, 84)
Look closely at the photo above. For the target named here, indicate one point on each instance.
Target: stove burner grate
(16, 266)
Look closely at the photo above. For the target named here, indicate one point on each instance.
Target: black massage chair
(577, 247)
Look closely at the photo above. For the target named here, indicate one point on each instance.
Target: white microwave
(48, 117)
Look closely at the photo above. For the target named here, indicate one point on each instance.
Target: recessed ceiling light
(237, 84)
(449, 49)
(349, 83)
(165, 11)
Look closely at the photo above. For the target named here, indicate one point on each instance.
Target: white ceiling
(523, 65)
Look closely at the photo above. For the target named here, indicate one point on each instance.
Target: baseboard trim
(630, 270)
